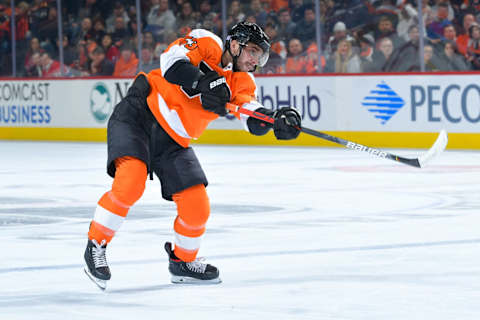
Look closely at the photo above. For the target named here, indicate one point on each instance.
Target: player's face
(250, 57)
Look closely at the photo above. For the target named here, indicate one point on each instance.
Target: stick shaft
(346, 143)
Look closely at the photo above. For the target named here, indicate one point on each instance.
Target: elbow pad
(258, 127)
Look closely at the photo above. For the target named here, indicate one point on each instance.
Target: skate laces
(98, 254)
(197, 265)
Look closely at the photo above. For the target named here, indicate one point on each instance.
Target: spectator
(449, 12)
(208, 16)
(235, 13)
(120, 33)
(118, 12)
(407, 17)
(430, 63)
(297, 10)
(258, 12)
(296, 60)
(99, 66)
(148, 61)
(210, 22)
(367, 44)
(435, 28)
(111, 51)
(148, 40)
(38, 15)
(126, 65)
(463, 39)
(132, 27)
(406, 58)
(50, 67)
(344, 60)
(187, 17)
(449, 33)
(34, 68)
(98, 30)
(285, 25)
(385, 29)
(205, 8)
(381, 57)
(305, 30)
(473, 49)
(85, 32)
(69, 52)
(414, 35)
(47, 30)
(160, 18)
(90, 45)
(312, 60)
(339, 33)
(33, 48)
(80, 65)
(451, 60)
(276, 44)
(21, 23)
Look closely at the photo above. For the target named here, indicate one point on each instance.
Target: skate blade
(189, 280)
(102, 284)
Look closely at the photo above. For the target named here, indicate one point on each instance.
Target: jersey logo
(189, 42)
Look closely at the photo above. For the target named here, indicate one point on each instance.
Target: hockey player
(150, 131)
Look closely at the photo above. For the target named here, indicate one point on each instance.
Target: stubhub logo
(383, 102)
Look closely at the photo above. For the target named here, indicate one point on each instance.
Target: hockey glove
(287, 123)
(214, 92)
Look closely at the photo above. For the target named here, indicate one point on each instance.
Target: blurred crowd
(100, 37)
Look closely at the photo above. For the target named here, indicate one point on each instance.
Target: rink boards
(394, 110)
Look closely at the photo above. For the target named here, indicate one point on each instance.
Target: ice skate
(96, 266)
(194, 272)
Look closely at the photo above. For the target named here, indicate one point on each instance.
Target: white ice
(297, 233)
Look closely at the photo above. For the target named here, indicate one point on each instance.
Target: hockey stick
(420, 162)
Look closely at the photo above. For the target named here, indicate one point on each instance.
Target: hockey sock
(193, 209)
(127, 188)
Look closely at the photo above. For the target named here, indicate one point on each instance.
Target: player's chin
(250, 67)
(247, 67)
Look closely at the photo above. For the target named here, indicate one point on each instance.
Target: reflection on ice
(297, 233)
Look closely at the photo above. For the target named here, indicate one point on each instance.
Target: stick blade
(437, 148)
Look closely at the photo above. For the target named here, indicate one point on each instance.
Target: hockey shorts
(133, 131)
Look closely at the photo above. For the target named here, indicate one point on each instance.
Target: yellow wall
(239, 137)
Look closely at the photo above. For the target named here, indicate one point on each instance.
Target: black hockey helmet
(245, 32)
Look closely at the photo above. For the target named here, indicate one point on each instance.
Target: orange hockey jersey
(180, 114)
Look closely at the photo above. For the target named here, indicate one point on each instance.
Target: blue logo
(383, 102)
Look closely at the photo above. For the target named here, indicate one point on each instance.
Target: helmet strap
(234, 57)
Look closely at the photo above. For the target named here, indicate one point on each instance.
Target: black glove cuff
(258, 127)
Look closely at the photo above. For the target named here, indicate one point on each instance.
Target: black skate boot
(96, 266)
(190, 272)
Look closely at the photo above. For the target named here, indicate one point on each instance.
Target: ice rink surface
(297, 233)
